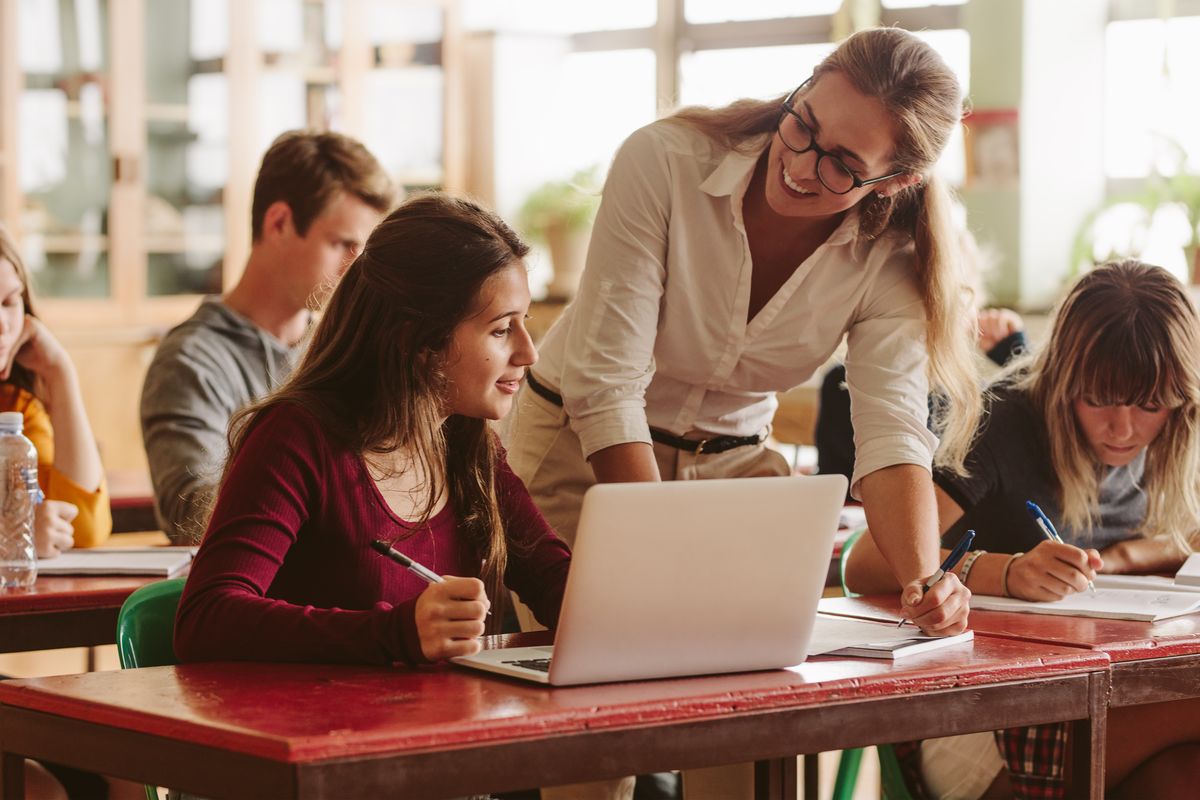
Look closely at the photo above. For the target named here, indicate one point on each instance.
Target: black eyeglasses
(831, 170)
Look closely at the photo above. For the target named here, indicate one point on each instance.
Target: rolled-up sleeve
(611, 339)
(886, 373)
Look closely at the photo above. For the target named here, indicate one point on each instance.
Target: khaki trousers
(545, 453)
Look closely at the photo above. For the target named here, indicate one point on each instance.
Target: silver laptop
(687, 578)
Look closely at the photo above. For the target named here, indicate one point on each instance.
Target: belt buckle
(699, 451)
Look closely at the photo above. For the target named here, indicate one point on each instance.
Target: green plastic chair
(146, 625)
(891, 776)
(145, 628)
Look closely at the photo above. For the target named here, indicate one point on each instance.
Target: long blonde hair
(922, 95)
(372, 374)
(1126, 334)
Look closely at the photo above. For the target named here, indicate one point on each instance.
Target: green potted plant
(1181, 189)
(559, 214)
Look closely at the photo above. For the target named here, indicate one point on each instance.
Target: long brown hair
(372, 371)
(1126, 334)
(19, 376)
(924, 99)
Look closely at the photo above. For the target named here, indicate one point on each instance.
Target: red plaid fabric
(1036, 757)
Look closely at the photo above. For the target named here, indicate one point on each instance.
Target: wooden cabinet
(130, 137)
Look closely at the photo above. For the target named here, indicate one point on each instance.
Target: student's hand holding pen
(1052, 570)
(450, 617)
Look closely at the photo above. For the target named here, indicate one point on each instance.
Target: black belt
(713, 444)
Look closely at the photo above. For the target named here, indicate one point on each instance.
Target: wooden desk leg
(1088, 741)
(812, 776)
(775, 779)
(12, 776)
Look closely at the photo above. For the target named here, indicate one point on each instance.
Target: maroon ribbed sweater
(286, 571)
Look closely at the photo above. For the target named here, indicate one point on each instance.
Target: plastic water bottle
(19, 493)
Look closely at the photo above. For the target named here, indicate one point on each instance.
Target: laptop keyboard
(539, 664)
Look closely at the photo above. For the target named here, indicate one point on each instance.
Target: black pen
(415, 567)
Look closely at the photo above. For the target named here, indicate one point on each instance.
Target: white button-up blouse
(658, 336)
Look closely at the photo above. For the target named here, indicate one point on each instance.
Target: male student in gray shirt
(316, 198)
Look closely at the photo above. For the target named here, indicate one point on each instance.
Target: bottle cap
(11, 422)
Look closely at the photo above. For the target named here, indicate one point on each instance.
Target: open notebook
(1147, 605)
(161, 562)
(1147, 598)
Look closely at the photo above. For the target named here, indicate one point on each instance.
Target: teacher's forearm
(902, 515)
(625, 463)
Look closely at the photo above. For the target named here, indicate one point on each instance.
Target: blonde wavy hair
(923, 97)
(1126, 334)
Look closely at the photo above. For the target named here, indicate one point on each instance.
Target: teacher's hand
(941, 610)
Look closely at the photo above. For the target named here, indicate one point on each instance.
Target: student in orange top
(38, 379)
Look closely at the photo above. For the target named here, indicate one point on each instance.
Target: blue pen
(960, 550)
(1048, 529)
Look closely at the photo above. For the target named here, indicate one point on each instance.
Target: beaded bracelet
(1004, 573)
(970, 562)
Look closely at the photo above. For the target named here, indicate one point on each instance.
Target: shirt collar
(732, 174)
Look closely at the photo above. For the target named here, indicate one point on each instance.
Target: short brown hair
(306, 170)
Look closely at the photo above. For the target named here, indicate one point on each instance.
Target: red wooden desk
(1152, 662)
(309, 731)
(64, 611)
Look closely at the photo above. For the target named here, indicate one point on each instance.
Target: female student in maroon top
(382, 433)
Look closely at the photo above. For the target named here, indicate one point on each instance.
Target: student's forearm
(625, 463)
(75, 453)
(902, 515)
(1142, 556)
(986, 573)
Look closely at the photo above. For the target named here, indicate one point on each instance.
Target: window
(1151, 137)
(702, 11)
(1151, 117)
(557, 16)
(718, 77)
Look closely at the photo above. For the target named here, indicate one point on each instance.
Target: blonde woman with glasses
(1101, 429)
(733, 251)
